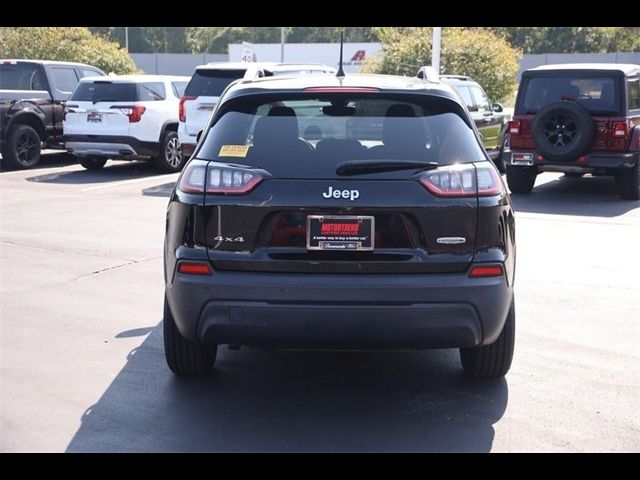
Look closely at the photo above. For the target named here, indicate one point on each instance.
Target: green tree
(572, 39)
(71, 44)
(476, 52)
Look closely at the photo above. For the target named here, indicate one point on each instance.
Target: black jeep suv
(577, 119)
(322, 212)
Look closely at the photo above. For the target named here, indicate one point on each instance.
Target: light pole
(435, 49)
(126, 38)
(282, 44)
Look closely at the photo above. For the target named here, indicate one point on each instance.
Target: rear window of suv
(105, 91)
(211, 83)
(597, 93)
(301, 135)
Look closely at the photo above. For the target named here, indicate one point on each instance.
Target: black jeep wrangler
(577, 119)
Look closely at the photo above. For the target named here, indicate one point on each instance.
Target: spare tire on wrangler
(563, 130)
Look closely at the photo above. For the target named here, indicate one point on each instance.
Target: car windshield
(595, 93)
(305, 135)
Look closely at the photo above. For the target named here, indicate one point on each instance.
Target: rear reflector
(192, 268)
(514, 127)
(486, 271)
(340, 90)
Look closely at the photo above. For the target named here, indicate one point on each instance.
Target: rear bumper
(110, 146)
(391, 311)
(590, 162)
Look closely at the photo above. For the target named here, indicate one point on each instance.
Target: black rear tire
(500, 162)
(170, 158)
(92, 163)
(185, 358)
(628, 182)
(22, 148)
(521, 179)
(493, 360)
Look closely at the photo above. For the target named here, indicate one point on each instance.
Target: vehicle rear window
(302, 135)
(104, 91)
(151, 92)
(21, 76)
(211, 83)
(596, 93)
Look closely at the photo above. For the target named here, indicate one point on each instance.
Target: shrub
(70, 44)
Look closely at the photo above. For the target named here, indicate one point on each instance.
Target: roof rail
(428, 74)
(457, 77)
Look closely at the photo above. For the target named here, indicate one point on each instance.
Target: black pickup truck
(32, 96)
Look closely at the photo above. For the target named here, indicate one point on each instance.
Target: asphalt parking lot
(82, 364)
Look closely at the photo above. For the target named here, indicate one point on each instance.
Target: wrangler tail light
(134, 112)
(514, 127)
(462, 180)
(182, 114)
(619, 129)
(218, 179)
(486, 271)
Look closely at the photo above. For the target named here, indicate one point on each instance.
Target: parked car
(392, 229)
(127, 117)
(489, 117)
(209, 81)
(32, 93)
(577, 119)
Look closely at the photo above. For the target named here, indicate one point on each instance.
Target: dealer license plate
(340, 232)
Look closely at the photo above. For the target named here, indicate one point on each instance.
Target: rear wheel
(521, 179)
(92, 163)
(493, 360)
(500, 161)
(628, 182)
(22, 149)
(184, 357)
(170, 158)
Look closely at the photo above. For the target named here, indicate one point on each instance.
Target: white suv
(209, 81)
(127, 117)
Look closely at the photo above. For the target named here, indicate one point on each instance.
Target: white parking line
(127, 182)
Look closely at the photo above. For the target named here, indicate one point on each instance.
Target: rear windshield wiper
(355, 167)
(105, 100)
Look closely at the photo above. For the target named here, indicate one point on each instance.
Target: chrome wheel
(173, 153)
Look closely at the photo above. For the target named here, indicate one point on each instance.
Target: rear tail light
(514, 127)
(65, 108)
(134, 112)
(218, 179)
(182, 115)
(486, 271)
(462, 180)
(194, 268)
(620, 129)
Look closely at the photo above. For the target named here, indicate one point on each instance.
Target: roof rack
(428, 74)
(458, 77)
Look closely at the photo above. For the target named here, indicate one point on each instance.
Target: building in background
(355, 54)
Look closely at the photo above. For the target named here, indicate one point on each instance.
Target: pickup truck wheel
(170, 158)
(185, 358)
(628, 182)
(521, 179)
(493, 360)
(22, 149)
(92, 163)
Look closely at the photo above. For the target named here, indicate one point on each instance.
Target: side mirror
(497, 107)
